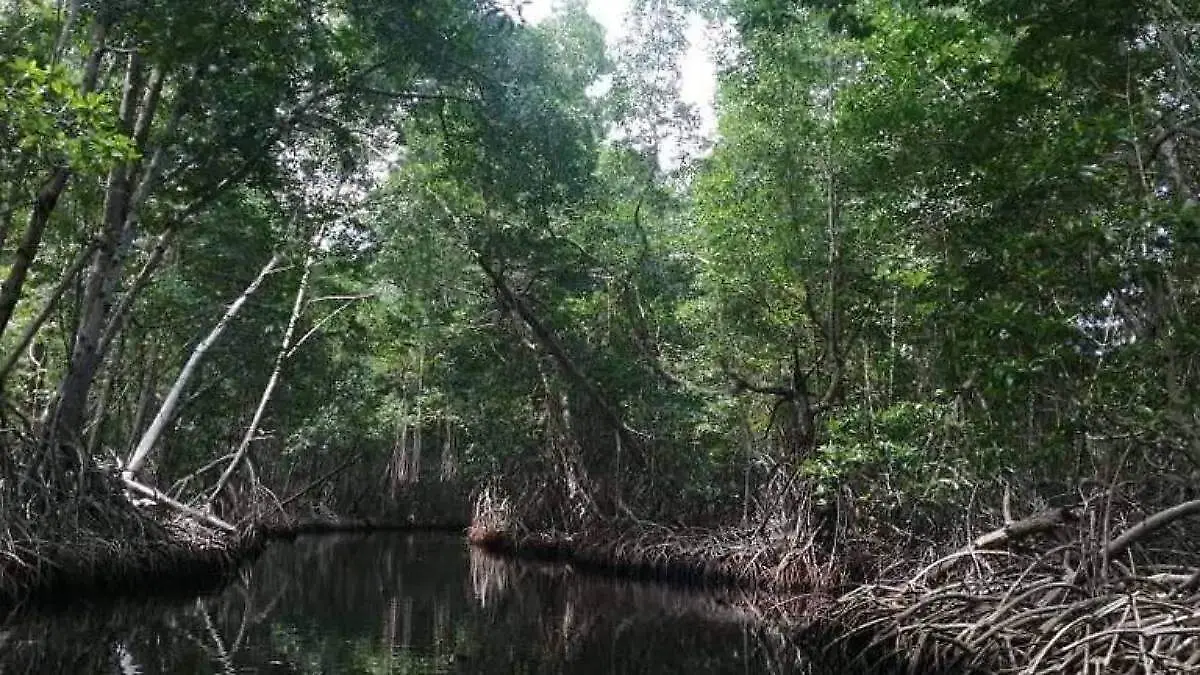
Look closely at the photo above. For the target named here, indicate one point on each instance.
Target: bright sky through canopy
(699, 79)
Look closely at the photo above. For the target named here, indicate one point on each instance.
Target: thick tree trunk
(106, 269)
(116, 318)
(100, 415)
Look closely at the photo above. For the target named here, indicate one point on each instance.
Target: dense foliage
(937, 248)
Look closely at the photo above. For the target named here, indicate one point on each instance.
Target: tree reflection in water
(404, 604)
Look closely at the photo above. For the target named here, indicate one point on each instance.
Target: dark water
(404, 604)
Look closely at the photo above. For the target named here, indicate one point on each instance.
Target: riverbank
(1064, 590)
(103, 534)
(175, 556)
(67, 571)
(694, 557)
(103, 545)
(290, 529)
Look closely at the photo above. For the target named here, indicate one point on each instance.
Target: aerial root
(691, 556)
(1023, 621)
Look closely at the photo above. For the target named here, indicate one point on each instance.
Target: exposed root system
(695, 557)
(79, 533)
(67, 570)
(1052, 593)
(1025, 616)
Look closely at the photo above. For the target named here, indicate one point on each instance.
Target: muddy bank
(180, 559)
(188, 561)
(193, 561)
(740, 589)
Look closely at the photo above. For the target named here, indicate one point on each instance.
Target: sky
(699, 78)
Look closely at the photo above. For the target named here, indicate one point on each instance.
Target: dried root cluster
(1074, 590)
(58, 542)
(90, 563)
(698, 557)
(1074, 602)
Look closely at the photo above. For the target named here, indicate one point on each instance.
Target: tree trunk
(47, 200)
(449, 463)
(280, 356)
(399, 460)
(100, 415)
(9, 207)
(31, 241)
(415, 455)
(146, 393)
(106, 268)
(171, 402)
(558, 352)
(116, 318)
(31, 330)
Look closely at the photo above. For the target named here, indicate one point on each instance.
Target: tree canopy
(935, 248)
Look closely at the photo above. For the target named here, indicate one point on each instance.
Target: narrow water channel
(403, 604)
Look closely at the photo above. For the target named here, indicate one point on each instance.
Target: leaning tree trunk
(280, 357)
(171, 402)
(47, 200)
(35, 325)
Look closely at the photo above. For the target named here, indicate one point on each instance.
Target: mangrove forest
(889, 355)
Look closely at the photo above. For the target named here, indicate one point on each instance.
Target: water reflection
(405, 604)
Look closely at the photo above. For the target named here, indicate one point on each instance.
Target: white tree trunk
(167, 410)
(284, 349)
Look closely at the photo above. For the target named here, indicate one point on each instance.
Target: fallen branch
(304, 490)
(159, 497)
(177, 488)
(1046, 521)
(1149, 525)
(1001, 538)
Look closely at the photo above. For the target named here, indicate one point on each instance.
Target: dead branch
(1149, 526)
(1001, 538)
(195, 514)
